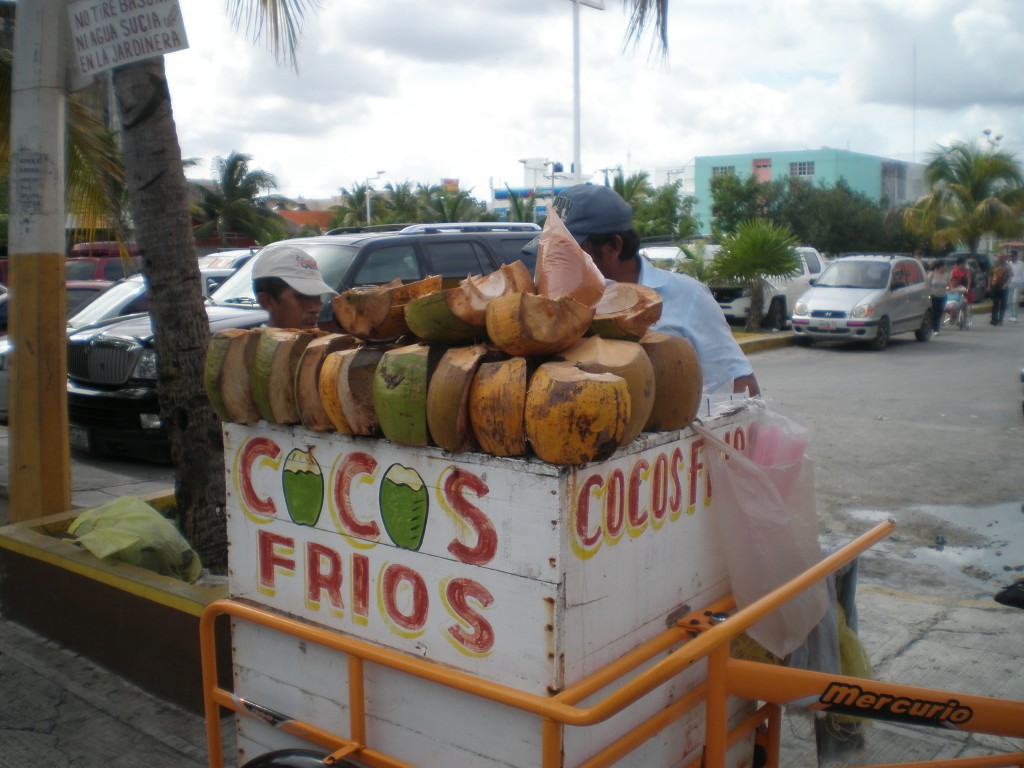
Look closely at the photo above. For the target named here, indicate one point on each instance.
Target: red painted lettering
(355, 464)
(323, 574)
(455, 485)
(696, 467)
(675, 503)
(584, 535)
(637, 514)
(615, 505)
(360, 586)
(659, 491)
(479, 638)
(254, 449)
(271, 551)
(399, 581)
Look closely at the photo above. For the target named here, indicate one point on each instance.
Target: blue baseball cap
(589, 209)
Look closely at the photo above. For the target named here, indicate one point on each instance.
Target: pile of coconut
(565, 367)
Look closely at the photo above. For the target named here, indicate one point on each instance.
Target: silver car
(865, 298)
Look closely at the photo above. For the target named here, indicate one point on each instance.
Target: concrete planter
(139, 624)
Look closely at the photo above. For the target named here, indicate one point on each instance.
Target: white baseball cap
(293, 265)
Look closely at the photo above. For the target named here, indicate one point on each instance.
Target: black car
(112, 367)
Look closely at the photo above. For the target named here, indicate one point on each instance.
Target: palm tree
(233, 205)
(440, 205)
(635, 189)
(351, 211)
(974, 192)
(521, 208)
(757, 250)
(402, 203)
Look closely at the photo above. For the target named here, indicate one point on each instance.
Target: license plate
(827, 325)
(78, 437)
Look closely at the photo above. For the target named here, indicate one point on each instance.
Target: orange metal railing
(774, 685)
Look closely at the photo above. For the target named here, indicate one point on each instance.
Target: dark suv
(112, 368)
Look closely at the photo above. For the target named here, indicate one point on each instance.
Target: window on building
(722, 170)
(802, 169)
(763, 169)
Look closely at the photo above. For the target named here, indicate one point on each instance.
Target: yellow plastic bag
(131, 531)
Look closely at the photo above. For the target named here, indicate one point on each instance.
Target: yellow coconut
(533, 325)
(448, 398)
(626, 359)
(497, 404)
(575, 416)
(307, 380)
(346, 389)
(678, 381)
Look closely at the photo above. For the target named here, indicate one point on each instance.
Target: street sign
(109, 33)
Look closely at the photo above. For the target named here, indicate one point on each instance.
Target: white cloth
(1016, 272)
(689, 310)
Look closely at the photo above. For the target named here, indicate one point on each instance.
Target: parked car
(218, 267)
(780, 294)
(112, 368)
(865, 298)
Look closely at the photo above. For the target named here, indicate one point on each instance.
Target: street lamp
(993, 141)
(369, 197)
(598, 5)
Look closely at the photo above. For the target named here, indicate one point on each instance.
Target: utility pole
(40, 461)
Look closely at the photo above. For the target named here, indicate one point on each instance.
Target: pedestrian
(602, 223)
(960, 277)
(288, 284)
(998, 282)
(1016, 267)
(937, 286)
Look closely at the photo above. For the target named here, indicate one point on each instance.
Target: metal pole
(576, 169)
(369, 206)
(40, 462)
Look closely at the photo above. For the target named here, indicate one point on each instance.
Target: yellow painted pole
(39, 456)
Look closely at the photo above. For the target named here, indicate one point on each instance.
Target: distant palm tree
(351, 211)
(440, 205)
(521, 207)
(757, 250)
(635, 189)
(234, 205)
(974, 192)
(697, 263)
(402, 203)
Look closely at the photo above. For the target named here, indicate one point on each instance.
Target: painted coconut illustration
(404, 504)
(303, 487)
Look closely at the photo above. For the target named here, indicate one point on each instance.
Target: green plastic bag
(130, 530)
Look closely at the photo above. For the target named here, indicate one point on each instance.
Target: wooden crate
(516, 571)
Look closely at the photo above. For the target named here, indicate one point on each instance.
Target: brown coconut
(626, 311)
(678, 381)
(448, 398)
(534, 325)
(497, 406)
(307, 380)
(377, 312)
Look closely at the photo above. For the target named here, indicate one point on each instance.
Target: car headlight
(800, 309)
(861, 310)
(146, 367)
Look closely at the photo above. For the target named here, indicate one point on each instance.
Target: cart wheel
(290, 758)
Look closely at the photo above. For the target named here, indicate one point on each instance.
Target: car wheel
(775, 318)
(290, 758)
(881, 340)
(925, 331)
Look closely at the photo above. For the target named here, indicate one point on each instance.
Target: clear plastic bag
(565, 269)
(767, 521)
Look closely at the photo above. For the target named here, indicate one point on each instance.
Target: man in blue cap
(602, 223)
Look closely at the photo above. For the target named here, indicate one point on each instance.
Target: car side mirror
(813, 281)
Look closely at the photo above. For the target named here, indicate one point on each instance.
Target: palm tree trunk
(156, 182)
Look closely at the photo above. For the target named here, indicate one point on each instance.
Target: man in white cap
(602, 223)
(288, 284)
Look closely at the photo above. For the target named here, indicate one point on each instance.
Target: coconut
(346, 389)
(529, 325)
(575, 416)
(497, 404)
(307, 380)
(235, 385)
(400, 392)
(626, 311)
(626, 359)
(430, 318)
(470, 305)
(448, 398)
(377, 312)
(272, 377)
(214, 368)
(678, 381)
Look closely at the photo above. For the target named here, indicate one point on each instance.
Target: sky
(468, 89)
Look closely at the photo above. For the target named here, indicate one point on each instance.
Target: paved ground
(60, 710)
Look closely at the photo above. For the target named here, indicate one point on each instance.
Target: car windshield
(855, 274)
(110, 303)
(333, 259)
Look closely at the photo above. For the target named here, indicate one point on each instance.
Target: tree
(234, 205)
(521, 208)
(757, 250)
(973, 192)
(440, 205)
(351, 211)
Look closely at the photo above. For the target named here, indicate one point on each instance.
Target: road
(929, 433)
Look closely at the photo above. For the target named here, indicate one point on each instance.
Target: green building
(879, 178)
